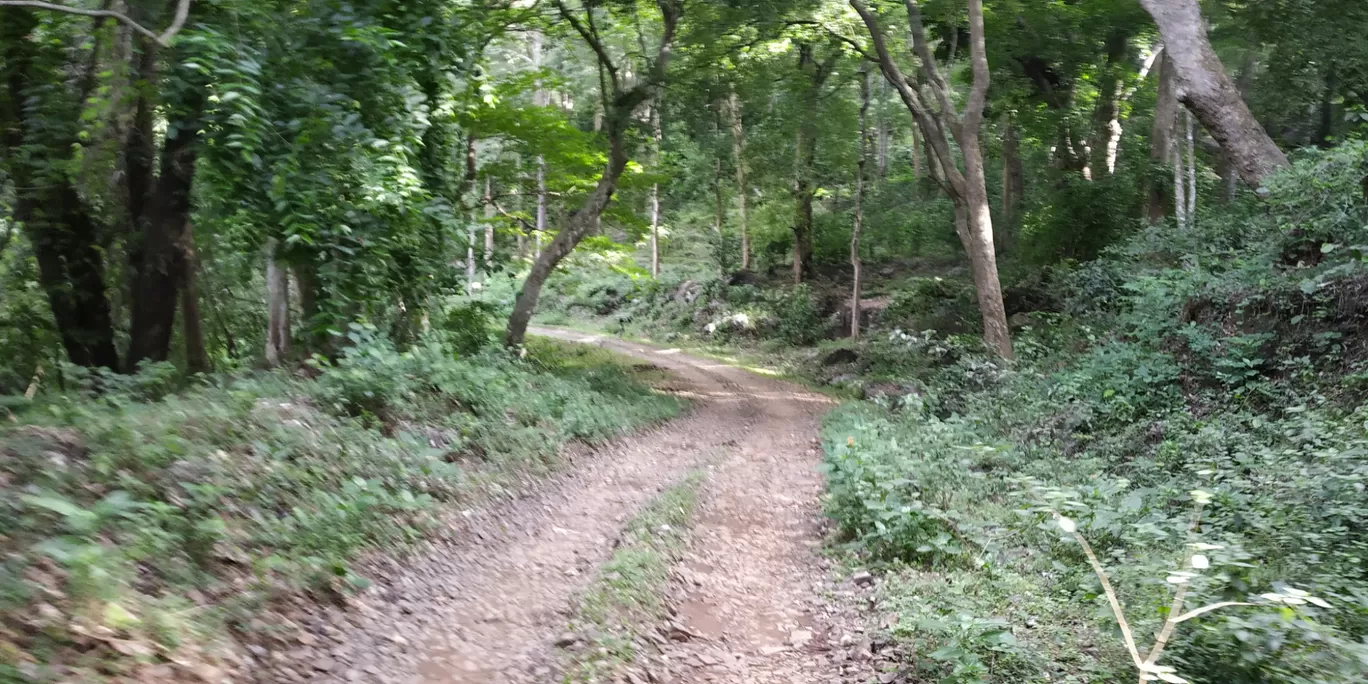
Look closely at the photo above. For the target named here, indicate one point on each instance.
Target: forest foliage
(254, 258)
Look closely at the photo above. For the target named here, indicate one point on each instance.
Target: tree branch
(928, 60)
(929, 124)
(163, 39)
(852, 44)
(591, 37)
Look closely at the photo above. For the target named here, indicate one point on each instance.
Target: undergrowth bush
(127, 509)
(1197, 418)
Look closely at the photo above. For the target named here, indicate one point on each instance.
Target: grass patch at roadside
(141, 525)
(629, 593)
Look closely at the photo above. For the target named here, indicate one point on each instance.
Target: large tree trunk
(59, 225)
(1161, 138)
(71, 273)
(1206, 90)
(158, 262)
(160, 210)
(978, 242)
(277, 307)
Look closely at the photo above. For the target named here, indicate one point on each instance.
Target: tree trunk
(916, 162)
(657, 138)
(489, 223)
(885, 133)
(802, 216)
(967, 190)
(1161, 138)
(979, 245)
(616, 121)
(192, 326)
(58, 224)
(469, 200)
(739, 159)
(1114, 129)
(805, 154)
(539, 99)
(1203, 86)
(1107, 113)
(1326, 130)
(158, 263)
(580, 225)
(70, 271)
(277, 307)
(1179, 192)
(719, 214)
(541, 207)
(310, 311)
(1013, 181)
(1191, 170)
(159, 209)
(856, 265)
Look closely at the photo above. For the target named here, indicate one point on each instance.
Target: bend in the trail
(487, 607)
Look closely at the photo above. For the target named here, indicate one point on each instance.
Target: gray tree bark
(1161, 137)
(738, 132)
(1206, 90)
(938, 120)
(539, 99)
(1191, 169)
(857, 226)
(657, 135)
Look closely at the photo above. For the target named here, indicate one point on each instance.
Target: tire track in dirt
(486, 606)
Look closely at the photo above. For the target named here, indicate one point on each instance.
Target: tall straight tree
(1161, 137)
(1203, 86)
(930, 101)
(857, 224)
(657, 138)
(738, 131)
(620, 100)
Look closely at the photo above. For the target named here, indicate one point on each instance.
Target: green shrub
(799, 322)
(943, 304)
(1216, 364)
(117, 509)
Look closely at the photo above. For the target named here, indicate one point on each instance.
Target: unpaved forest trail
(487, 607)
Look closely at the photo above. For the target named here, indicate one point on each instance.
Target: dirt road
(488, 607)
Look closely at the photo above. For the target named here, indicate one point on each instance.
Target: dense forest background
(1109, 254)
(388, 164)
